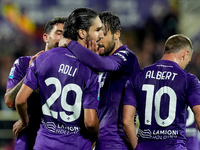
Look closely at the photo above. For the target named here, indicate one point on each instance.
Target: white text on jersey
(66, 69)
(165, 75)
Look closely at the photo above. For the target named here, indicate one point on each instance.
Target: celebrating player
(26, 139)
(68, 90)
(161, 93)
(118, 66)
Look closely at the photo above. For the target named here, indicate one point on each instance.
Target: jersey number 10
(150, 97)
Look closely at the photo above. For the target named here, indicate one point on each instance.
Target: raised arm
(93, 60)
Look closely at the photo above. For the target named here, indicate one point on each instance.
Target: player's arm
(91, 123)
(21, 107)
(92, 59)
(129, 113)
(196, 110)
(11, 94)
(91, 44)
(33, 57)
(193, 97)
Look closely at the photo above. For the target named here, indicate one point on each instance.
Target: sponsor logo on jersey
(61, 129)
(70, 56)
(157, 134)
(121, 55)
(16, 62)
(11, 73)
(124, 52)
(164, 66)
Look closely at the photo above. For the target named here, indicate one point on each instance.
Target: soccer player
(192, 140)
(161, 94)
(25, 140)
(68, 90)
(118, 66)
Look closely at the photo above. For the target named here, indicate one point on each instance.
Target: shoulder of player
(191, 77)
(23, 60)
(51, 52)
(188, 76)
(137, 74)
(123, 51)
(86, 72)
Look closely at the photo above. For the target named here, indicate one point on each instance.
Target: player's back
(66, 88)
(161, 93)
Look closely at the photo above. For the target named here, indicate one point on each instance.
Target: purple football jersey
(120, 66)
(66, 88)
(26, 138)
(161, 93)
(18, 71)
(192, 141)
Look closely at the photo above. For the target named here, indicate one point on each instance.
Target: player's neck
(118, 44)
(171, 57)
(82, 42)
(46, 48)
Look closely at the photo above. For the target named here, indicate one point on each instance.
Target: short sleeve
(18, 71)
(31, 79)
(129, 96)
(90, 95)
(193, 92)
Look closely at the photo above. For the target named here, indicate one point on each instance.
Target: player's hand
(92, 45)
(36, 55)
(64, 42)
(18, 126)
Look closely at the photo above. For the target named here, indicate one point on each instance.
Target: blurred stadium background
(146, 24)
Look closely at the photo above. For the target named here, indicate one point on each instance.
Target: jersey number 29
(76, 108)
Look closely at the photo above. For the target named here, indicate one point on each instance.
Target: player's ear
(45, 37)
(82, 33)
(117, 35)
(185, 53)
